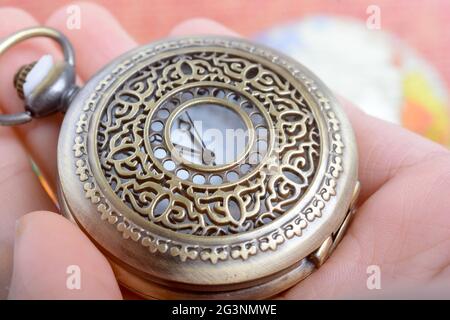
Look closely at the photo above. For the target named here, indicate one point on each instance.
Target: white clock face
(209, 135)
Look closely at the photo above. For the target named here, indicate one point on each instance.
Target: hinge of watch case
(319, 256)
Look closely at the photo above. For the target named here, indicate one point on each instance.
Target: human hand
(402, 225)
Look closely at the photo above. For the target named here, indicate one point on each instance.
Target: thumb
(53, 259)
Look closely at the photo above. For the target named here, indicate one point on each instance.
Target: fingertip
(95, 33)
(201, 26)
(12, 20)
(18, 18)
(53, 259)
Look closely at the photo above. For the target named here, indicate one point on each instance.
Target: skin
(402, 225)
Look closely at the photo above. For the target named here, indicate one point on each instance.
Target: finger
(20, 190)
(99, 39)
(53, 259)
(40, 136)
(389, 240)
(201, 26)
(383, 148)
(386, 149)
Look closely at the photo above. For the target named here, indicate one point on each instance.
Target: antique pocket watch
(202, 167)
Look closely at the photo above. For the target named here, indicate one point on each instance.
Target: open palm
(402, 225)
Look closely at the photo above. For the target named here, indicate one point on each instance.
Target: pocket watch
(203, 167)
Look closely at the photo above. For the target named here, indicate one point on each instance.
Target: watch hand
(195, 131)
(185, 148)
(183, 124)
(208, 154)
(186, 127)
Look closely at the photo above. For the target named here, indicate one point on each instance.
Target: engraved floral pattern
(212, 253)
(257, 198)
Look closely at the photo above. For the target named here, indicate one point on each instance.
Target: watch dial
(209, 135)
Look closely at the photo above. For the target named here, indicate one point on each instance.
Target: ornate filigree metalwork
(267, 184)
(101, 188)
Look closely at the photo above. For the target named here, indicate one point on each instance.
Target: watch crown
(20, 77)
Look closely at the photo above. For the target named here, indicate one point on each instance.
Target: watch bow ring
(202, 167)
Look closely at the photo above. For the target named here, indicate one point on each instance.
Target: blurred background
(390, 57)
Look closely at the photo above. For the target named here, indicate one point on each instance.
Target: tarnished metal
(54, 91)
(201, 234)
(179, 214)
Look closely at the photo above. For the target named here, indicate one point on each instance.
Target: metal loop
(8, 42)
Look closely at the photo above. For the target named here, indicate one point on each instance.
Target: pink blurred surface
(423, 25)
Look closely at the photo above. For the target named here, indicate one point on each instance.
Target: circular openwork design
(139, 158)
(141, 174)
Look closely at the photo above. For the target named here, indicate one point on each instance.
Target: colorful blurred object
(371, 68)
(424, 110)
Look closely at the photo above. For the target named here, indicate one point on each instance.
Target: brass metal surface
(248, 237)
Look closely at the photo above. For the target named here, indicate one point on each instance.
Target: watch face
(209, 129)
(209, 134)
